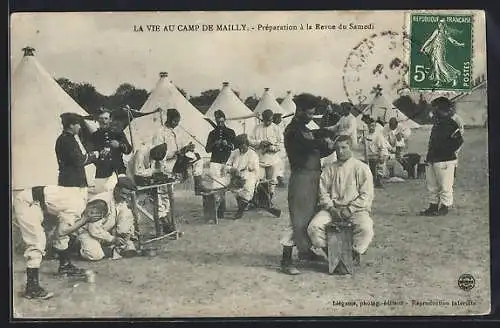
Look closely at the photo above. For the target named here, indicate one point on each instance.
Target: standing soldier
(444, 142)
(67, 204)
(71, 154)
(304, 153)
(280, 164)
(266, 141)
(112, 144)
(220, 143)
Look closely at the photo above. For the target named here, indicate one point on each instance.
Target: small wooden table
(339, 236)
(137, 209)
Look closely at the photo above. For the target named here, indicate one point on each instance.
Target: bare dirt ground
(230, 269)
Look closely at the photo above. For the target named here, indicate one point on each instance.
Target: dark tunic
(304, 153)
(71, 161)
(444, 141)
(106, 166)
(220, 154)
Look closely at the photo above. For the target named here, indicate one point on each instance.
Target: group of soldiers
(319, 191)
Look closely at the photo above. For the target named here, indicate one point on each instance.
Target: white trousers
(287, 236)
(29, 215)
(363, 230)
(91, 248)
(269, 173)
(248, 189)
(103, 184)
(440, 179)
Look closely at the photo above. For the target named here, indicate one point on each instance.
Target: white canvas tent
(472, 107)
(238, 116)
(268, 101)
(381, 107)
(37, 102)
(288, 104)
(289, 107)
(165, 95)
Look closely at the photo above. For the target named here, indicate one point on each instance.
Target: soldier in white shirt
(244, 162)
(175, 147)
(377, 152)
(68, 205)
(396, 135)
(346, 193)
(280, 165)
(347, 124)
(266, 140)
(116, 229)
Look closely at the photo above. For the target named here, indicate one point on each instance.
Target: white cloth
(271, 134)
(103, 184)
(119, 221)
(217, 174)
(440, 179)
(248, 165)
(140, 164)
(362, 232)
(347, 125)
(174, 143)
(66, 203)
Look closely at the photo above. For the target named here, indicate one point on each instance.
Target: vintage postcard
(249, 164)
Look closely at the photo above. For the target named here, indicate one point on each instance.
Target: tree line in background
(86, 95)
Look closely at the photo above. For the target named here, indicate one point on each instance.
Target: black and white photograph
(249, 164)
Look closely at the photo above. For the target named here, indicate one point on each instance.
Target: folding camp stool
(137, 210)
(339, 236)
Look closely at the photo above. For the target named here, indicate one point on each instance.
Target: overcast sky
(103, 49)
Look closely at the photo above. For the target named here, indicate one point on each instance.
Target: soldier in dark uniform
(220, 143)
(112, 143)
(71, 154)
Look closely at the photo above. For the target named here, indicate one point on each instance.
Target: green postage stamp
(441, 52)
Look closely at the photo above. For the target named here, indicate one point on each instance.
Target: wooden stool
(211, 205)
(339, 236)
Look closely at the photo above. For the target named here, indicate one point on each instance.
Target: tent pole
(127, 108)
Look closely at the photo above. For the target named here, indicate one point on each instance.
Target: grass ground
(230, 269)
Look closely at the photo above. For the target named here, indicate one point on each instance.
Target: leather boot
(431, 211)
(287, 266)
(443, 210)
(66, 267)
(33, 289)
(242, 205)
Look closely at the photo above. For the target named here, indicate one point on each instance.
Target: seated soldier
(346, 193)
(115, 230)
(244, 164)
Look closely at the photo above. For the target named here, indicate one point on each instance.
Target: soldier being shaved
(115, 230)
(346, 193)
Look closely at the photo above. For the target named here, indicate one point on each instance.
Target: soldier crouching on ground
(67, 204)
(115, 231)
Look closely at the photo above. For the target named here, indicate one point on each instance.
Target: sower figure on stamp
(220, 143)
(243, 164)
(444, 142)
(346, 193)
(113, 144)
(304, 153)
(116, 229)
(266, 141)
(68, 206)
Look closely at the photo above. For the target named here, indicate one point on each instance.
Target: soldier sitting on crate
(243, 166)
(114, 233)
(346, 193)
